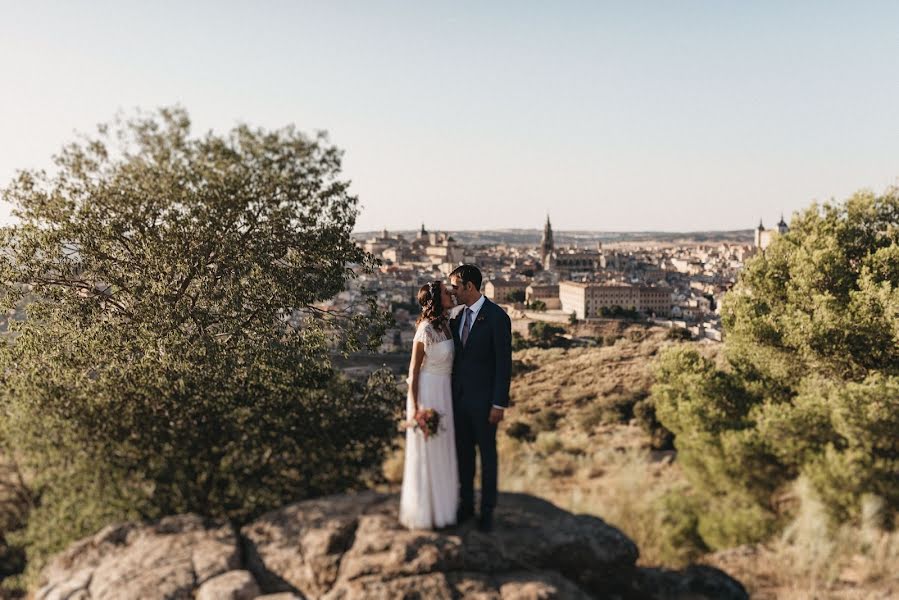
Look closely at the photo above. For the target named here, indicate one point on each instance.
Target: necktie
(466, 327)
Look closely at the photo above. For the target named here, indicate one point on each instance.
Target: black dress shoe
(463, 514)
(485, 522)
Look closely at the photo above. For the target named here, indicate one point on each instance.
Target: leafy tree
(515, 296)
(175, 356)
(618, 312)
(678, 334)
(546, 335)
(538, 305)
(810, 385)
(519, 342)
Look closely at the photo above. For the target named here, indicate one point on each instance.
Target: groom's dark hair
(468, 273)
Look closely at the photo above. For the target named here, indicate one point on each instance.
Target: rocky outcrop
(351, 546)
(168, 559)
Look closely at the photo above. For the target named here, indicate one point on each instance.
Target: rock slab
(349, 547)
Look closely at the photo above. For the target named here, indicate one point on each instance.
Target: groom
(482, 370)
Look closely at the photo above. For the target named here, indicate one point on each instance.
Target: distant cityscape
(676, 280)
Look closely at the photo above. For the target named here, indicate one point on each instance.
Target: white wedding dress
(430, 493)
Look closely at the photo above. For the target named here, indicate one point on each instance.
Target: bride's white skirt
(430, 493)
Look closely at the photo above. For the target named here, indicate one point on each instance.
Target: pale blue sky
(477, 115)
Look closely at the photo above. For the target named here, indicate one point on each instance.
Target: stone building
(442, 248)
(377, 244)
(575, 260)
(546, 293)
(498, 290)
(586, 299)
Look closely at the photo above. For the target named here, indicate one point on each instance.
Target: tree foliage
(174, 358)
(546, 335)
(810, 384)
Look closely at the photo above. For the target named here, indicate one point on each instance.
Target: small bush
(546, 335)
(678, 334)
(617, 312)
(547, 419)
(519, 367)
(519, 342)
(679, 540)
(521, 431)
(645, 414)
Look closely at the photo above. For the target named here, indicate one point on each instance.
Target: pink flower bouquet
(427, 421)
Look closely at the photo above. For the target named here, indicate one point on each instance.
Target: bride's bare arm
(418, 355)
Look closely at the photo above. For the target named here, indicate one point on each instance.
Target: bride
(430, 493)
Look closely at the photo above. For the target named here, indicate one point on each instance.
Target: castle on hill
(764, 237)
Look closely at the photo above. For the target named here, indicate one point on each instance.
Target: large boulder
(352, 546)
(168, 559)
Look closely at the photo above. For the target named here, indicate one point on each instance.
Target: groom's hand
(496, 415)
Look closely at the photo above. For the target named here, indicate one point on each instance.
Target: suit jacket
(482, 369)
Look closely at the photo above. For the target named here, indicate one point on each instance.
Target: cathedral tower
(546, 245)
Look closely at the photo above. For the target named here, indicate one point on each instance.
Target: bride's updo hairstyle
(431, 304)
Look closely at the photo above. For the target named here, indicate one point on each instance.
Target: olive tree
(175, 356)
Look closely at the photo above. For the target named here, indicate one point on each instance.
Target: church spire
(547, 247)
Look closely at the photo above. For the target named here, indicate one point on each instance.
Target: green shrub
(547, 419)
(546, 335)
(519, 342)
(521, 431)
(678, 334)
(618, 312)
(810, 386)
(645, 414)
(175, 356)
(616, 408)
(679, 540)
(519, 367)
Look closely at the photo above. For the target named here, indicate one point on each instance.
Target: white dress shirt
(475, 309)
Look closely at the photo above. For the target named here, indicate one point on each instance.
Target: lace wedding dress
(430, 493)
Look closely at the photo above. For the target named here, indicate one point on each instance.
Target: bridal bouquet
(427, 421)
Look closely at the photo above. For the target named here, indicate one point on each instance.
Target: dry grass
(618, 480)
(575, 446)
(815, 560)
(588, 455)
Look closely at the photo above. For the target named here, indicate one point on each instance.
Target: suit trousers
(474, 430)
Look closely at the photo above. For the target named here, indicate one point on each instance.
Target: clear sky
(477, 115)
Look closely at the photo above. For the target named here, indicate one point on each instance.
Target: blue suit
(482, 372)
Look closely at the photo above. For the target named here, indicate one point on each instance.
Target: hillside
(580, 436)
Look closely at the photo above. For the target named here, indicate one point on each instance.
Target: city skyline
(612, 118)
